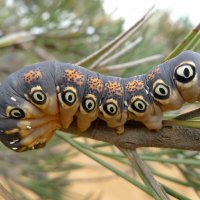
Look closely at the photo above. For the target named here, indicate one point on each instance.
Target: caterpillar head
(28, 109)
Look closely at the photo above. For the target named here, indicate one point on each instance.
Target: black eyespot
(139, 105)
(69, 97)
(161, 91)
(38, 97)
(89, 104)
(17, 113)
(110, 108)
(185, 73)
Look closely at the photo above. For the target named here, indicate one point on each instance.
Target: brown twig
(136, 135)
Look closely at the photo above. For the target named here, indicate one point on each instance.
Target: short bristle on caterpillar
(35, 102)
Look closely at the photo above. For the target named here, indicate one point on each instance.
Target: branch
(136, 135)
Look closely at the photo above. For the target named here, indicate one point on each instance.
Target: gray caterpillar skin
(41, 98)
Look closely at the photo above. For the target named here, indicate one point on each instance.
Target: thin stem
(190, 124)
(122, 52)
(103, 163)
(191, 35)
(155, 188)
(109, 45)
(193, 43)
(131, 64)
(175, 194)
(173, 160)
(188, 115)
(16, 38)
(120, 42)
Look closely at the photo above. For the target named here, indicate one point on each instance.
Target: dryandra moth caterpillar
(41, 98)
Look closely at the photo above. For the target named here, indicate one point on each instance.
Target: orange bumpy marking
(114, 87)
(151, 75)
(134, 85)
(32, 75)
(74, 76)
(95, 84)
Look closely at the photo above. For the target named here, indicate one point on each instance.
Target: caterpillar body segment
(140, 103)
(91, 100)
(41, 98)
(112, 108)
(70, 85)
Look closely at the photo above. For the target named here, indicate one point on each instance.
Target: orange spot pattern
(134, 85)
(114, 87)
(151, 75)
(32, 75)
(74, 76)
(95, 84)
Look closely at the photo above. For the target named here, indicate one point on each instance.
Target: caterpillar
(43, 97)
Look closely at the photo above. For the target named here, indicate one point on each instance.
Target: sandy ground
(98, 183)
(104, 184)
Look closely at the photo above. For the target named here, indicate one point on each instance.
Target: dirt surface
(103, 184)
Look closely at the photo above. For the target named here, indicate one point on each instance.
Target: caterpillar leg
(166, 96)
(87, 113)
(69, 104)
(84, 120)
(147, 113)
(40, 135)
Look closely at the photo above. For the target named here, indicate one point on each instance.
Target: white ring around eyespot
(87, 102)
(180, 71)
(157, 90)
(36, 97)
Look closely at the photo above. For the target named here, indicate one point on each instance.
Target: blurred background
(68, 31)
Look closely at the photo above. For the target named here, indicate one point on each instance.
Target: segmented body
(41, 98)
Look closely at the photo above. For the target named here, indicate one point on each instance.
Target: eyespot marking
(38, 97)
(161, 91)
(185, 72)
(16, 113)
(89, 103)
(69, 96)
(110, 108)
(139, 105)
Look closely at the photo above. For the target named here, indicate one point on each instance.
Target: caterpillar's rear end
(47, 96)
